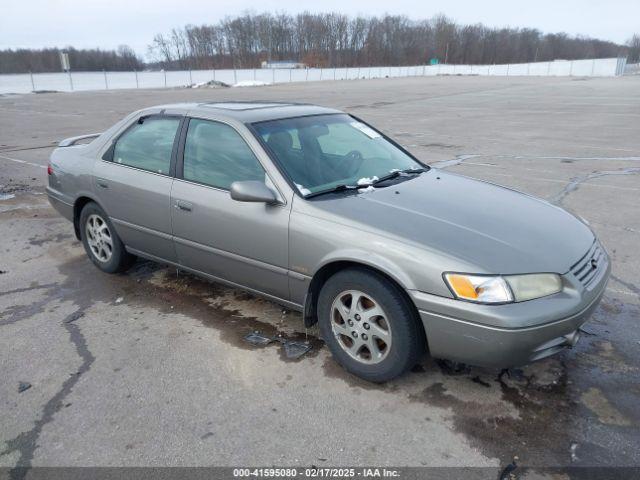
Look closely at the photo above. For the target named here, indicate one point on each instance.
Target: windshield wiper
(343, 187)
(337, 188)
(397, 173)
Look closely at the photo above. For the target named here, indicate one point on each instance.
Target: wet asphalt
(150, 368)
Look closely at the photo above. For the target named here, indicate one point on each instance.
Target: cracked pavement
(163, 377)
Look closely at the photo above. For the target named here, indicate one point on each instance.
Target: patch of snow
(251, 83)
(119, 300)
(209, 84)
(394, 170)
(370, 188)
(304, 191)
(367, 180)
(6, 196)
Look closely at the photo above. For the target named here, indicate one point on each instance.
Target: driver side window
(216, 155)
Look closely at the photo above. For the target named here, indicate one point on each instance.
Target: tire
(389, 340)
(101, 242)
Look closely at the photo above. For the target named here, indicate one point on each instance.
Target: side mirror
(252, 191)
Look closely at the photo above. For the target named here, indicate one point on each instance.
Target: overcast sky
(109, 23)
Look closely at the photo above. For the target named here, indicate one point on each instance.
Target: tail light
(49, 170)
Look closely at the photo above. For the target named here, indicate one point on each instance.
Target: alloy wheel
(99, 238)
(361, 326)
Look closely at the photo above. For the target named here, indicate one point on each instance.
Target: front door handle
(102, 183)
(184, 206)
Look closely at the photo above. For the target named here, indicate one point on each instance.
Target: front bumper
(509, 335)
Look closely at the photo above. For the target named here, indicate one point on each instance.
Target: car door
(240, 242)
(133, 184)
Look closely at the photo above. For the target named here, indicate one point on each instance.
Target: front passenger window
(148, 145)
(216, 155)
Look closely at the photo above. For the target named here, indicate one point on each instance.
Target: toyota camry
(319, 211)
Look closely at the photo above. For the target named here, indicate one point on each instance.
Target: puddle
(524, 413)
(214, 305)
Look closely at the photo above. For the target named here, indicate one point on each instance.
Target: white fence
(76, 81)
(632, 69)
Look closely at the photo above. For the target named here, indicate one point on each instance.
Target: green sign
(434, 61)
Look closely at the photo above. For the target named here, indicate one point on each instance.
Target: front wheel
(369, 325)
(101, 242)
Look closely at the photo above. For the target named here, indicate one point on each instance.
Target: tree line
(337, 40)
(85, 60)
(634, 49)
(327, 40)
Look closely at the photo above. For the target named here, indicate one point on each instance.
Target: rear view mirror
(319, 130)
(252, 191)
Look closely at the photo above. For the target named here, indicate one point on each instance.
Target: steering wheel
(354, 161)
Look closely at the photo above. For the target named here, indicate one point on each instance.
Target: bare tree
(330, 39)
(161, 50)
(634, 48)
(48, 60)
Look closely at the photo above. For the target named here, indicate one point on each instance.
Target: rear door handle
(184, 206)
(102, 183)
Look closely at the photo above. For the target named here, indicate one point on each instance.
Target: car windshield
(323, 152)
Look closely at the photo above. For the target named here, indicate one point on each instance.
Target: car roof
(250, 111)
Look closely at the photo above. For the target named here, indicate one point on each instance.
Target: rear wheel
(368, 325)
(101, 242)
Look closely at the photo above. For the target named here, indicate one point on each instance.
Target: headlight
(502, 289)
(478, 288)
(535, 285)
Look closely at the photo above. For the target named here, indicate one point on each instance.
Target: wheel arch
(327, 270)
(78, 205)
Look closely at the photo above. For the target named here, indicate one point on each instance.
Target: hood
(497, 229)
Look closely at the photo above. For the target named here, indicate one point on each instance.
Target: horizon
(106, 21)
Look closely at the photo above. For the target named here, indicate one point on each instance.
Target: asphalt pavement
(150, 368)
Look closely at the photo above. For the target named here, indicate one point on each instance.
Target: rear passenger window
(148, 145)
(216, 155)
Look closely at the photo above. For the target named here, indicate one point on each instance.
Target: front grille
(586, 269)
